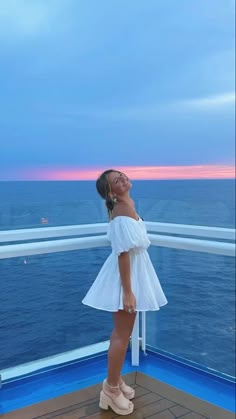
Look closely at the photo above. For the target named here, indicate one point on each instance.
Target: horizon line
(190, 172)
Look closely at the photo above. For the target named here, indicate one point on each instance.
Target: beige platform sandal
(119, 404)
(128, 391)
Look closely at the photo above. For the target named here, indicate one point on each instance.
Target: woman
(127, 283)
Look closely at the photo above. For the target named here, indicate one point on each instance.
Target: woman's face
(119, 183)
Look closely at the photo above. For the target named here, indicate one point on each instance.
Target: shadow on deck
(154, 400)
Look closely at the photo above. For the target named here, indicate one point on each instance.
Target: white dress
(127, 235)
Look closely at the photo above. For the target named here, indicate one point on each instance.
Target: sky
(141, 86)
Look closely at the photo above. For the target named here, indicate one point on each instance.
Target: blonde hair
(104, 189)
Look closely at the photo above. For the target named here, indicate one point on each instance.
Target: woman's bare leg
(113, 397)
(123, 326)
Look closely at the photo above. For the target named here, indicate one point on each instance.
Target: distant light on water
(44, 220)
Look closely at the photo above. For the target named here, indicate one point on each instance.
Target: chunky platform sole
(106, 402)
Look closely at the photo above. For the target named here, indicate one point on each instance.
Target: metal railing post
(135, 342)
(144, 332)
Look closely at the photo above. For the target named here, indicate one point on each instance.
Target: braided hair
(104, 189)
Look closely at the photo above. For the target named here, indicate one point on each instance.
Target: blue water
(41, 312)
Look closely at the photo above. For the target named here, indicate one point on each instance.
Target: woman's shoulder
(124, 212)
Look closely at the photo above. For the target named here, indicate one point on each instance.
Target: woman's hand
(129, 302)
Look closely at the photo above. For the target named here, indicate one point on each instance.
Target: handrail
(196, 245)
(49, 232)
(52, 246)
(192, 230)
(101, 228)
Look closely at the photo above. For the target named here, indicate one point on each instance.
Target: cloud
(224, 101)
(134, 172)
(21, 19)
(209, 102)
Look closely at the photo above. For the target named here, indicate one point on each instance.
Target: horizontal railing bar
(192, 230)
(48, 232)
(100, 228)
(196, 245)
(52, 246)
(54, 361)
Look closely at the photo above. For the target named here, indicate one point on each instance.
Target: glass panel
(41, 313)
(198, 202)
(42, 204)
(198, 323)
(48, 204)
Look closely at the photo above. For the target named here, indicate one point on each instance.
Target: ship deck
(154, 400)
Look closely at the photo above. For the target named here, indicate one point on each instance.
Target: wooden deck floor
(154, 400)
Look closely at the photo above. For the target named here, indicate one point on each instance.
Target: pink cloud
(134, 172)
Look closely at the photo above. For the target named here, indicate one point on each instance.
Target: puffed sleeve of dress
(127, 234)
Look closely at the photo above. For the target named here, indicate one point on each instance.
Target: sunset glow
(134, 172)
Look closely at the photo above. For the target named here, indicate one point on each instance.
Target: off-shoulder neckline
(126, 216)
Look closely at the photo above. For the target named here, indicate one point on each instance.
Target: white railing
(200, 244)
(49, 232)
(99, 228)
(100, 240)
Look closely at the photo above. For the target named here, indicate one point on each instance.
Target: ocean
(41, 312)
